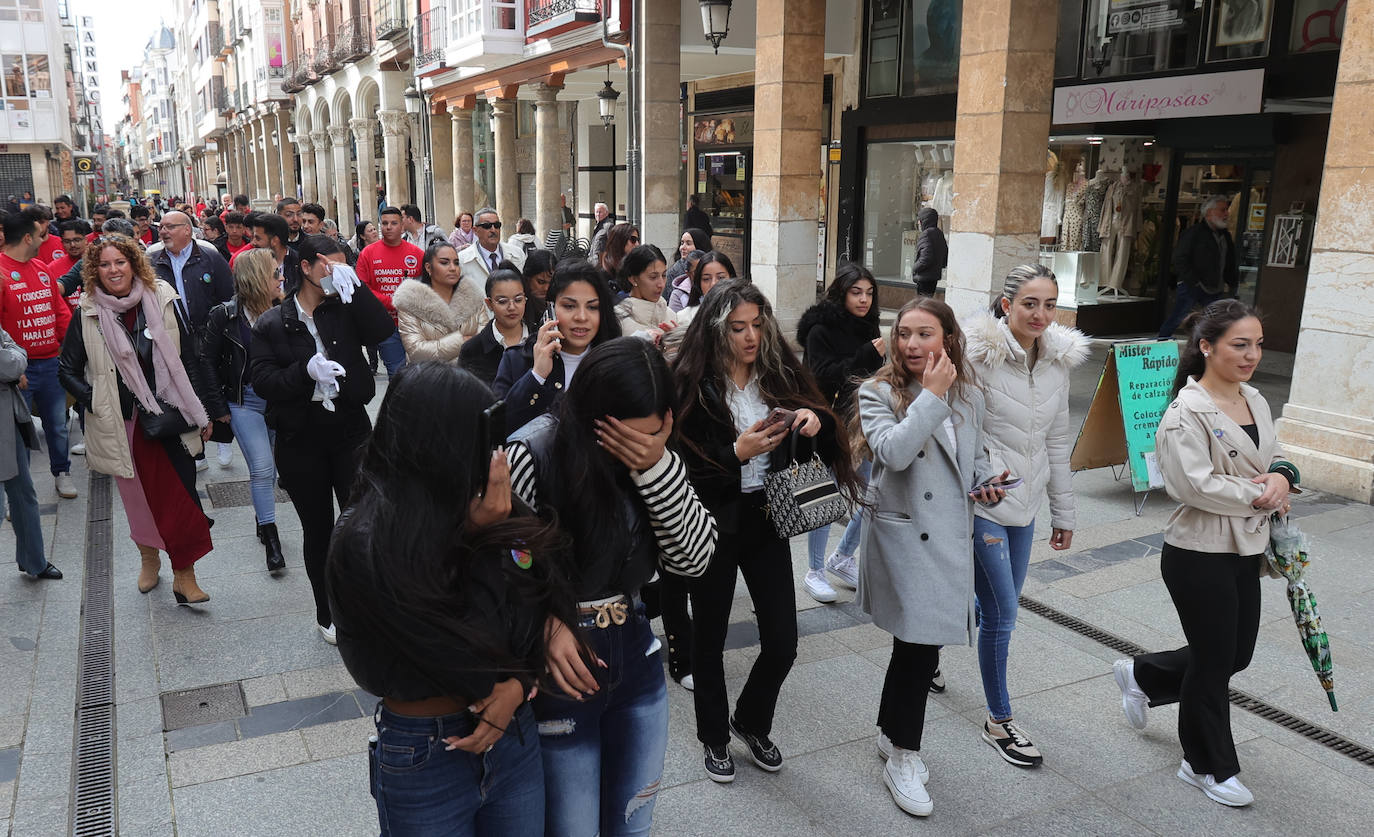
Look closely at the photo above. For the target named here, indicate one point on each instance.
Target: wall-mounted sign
(724, 129)
(1207, 94)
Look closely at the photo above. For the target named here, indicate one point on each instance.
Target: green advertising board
(1144, 375)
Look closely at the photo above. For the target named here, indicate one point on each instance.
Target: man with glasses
(144, 228)
(194, 267)
(73, 240)
(482, 256)
(383, 265)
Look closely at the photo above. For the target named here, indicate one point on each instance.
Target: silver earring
(1206, 354)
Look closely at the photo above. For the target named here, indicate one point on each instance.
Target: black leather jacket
(224, 354)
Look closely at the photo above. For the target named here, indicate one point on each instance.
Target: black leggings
(906, 689)
(1218, 600)
(317, 467)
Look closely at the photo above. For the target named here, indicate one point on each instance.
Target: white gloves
(345, 280)
(326, 374)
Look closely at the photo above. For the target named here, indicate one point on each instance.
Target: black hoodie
(932, 253)
(839, 350)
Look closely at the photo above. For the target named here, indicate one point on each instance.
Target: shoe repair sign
(1131, 396)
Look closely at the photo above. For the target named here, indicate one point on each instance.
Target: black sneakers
(719, 765)
(763, 752)
(937, 682)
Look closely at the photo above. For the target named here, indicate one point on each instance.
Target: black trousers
(317, 467)
(1218, 600)
(766, 562)
(677, 625)
(906, 688)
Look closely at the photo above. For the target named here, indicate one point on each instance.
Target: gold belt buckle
(610, 613)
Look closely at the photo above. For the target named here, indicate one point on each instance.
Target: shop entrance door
(1244, 179)
(722, 182)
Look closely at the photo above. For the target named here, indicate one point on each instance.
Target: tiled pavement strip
(295, 763)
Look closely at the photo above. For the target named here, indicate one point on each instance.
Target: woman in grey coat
(922, 423)
(16, 439)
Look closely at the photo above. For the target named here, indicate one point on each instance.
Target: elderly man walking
(1205, 263)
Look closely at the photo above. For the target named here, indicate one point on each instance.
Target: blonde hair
(255, 273)
(130, 249)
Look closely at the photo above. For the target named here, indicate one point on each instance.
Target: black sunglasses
(489, 225)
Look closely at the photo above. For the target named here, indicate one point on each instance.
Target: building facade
(39, 97)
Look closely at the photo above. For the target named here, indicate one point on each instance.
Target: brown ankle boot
(147, 577)
(185, 588)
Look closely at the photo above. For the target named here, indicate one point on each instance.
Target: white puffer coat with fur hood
(1027, 426)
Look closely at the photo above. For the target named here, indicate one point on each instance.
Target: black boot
(267, 534)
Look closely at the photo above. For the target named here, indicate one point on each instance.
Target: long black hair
(568, 271)
(700, 240)
(639, 260)
(312, 247)
(1210, 324)
(537, 262)
(431, 253)
(712, 256)
(626, 378)
(846, 275)
(403, 563)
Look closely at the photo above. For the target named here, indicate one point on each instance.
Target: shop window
(1070, 38)
(884, 47)
(1317, 25)
(902, 179)
(913, 47)
(1240, 29)
(1130, 37)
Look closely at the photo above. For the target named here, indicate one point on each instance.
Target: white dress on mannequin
(1120, 224)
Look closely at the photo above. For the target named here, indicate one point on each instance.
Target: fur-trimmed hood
(827, 313)
(989, 342)
(422, 302)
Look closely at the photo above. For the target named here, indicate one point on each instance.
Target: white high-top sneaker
(902, 775)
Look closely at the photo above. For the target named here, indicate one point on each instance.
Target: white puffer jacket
(1027, 426)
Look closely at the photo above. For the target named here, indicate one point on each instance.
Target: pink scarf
(173, 385)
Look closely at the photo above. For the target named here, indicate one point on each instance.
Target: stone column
(440, 141)
(395, 135)
(1327, 429)
(343, 177)
(319, 139)
(507, 180)
(660, 137)
(788, 72)
(463, 185)
(367, 172)
(307, 154)
(548, 159)
(260, 158)
(1002, 126)
(229, 162)
(286, 159)
(273, 139)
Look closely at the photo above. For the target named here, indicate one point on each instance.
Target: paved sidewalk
(295, 762)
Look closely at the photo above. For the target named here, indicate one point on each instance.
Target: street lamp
(605, 100)
(715, 20)
(412, 97)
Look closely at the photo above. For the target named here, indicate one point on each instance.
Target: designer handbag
(165, 426)
(803, 496)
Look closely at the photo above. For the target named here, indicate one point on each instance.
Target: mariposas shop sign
(1209, 94)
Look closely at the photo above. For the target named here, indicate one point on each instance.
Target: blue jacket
(206, 278)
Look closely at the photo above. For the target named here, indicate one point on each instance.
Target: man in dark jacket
(1205, 263)
(696, 217)
(194, 267)
(932, 253)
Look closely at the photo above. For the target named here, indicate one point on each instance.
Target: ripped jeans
(1001, 555)
(603, 756)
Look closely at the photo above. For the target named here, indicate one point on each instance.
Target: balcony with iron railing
(214, 39)
(429, 39)
(479, 28)
(353, 41)
(549, 17)
(222, 101)
(391, 19)
(324, 63)
(231, 33)
(299, 72)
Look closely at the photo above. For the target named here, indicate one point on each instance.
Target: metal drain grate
(225, 495)
(93, 774)
(203, 705)
(1313, 732)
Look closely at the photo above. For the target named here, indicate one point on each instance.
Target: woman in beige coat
(440, 310)
(1215, 447)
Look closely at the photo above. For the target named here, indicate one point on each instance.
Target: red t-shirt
(148, 238)
(50, 248)
(383, 268)
(234, 251)
(32, 309)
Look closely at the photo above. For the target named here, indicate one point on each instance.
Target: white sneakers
(903, 777)
(1230, 792)
(226, 454)
(328, 633)
(66, 489)
(845, 568)
(819, 588)
(78, 449)
(1134, 701)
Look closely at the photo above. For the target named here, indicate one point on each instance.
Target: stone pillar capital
(320, 139)
(502, 108)
(340, 135)
(546, 93)
(362, 128)
(458, 112)
(394, 122)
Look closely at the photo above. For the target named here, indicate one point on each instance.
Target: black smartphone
(491, 432)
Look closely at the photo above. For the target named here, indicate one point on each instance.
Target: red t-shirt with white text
(383, 268)
(32, 309)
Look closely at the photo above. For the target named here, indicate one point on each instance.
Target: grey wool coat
(14, 411)
(916, 575)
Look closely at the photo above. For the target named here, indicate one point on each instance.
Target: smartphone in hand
(491, 434)
(1009, 483)
(779, 417)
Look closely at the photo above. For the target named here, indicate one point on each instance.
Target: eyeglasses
(504, 301)
(489, 225)
(166, 226)
(634, 239)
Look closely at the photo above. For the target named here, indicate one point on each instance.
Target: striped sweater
(684, 529)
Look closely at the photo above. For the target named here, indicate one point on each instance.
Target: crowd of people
(569, 447)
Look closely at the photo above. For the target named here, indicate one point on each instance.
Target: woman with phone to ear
(1022, 359)
(920, 421)
(742, 394)
(307, 363)
(533, 376)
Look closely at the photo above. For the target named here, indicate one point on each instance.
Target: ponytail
(1210, 324)
(1019, 275)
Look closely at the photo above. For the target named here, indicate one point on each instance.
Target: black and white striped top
(684, 529)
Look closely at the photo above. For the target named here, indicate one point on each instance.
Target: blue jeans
(603, 756)
(816, 539)
(1185, 300)
(422, 788)
(48, 401)
(23, 504)
(256, 441)
(1001, 555)
(393, 353)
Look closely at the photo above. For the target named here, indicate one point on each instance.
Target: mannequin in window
(1118, 229)
(1071, 234)
(1053, 206)
(1093, 195)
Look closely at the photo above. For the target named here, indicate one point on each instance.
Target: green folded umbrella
(1287, 554)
